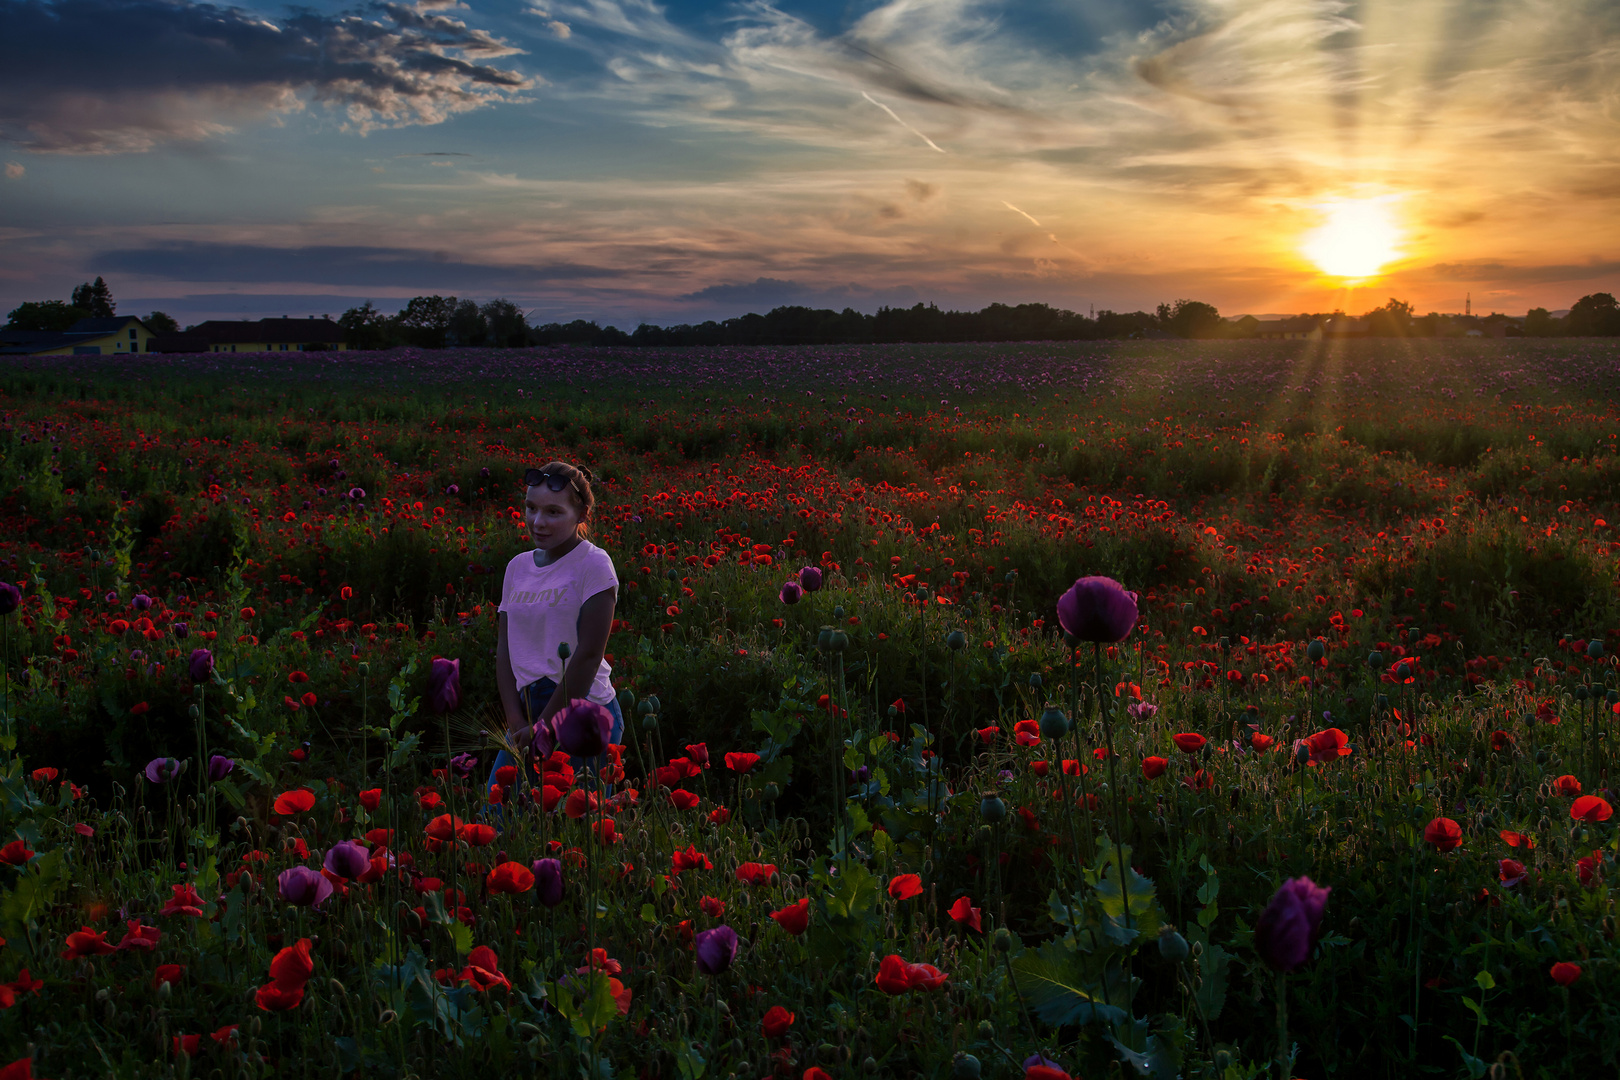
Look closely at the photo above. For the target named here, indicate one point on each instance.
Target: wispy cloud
(149, 72)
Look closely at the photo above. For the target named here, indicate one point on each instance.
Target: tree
(1595, 315)
(506, 325)
(1394, 319)
(96, 298)
(49, 315)
(426, 320)
(1539, 323)
(467, 326)
(161, 323)
(1190, 319)
(365, 327)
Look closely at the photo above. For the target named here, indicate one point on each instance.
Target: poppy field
(1162, 709)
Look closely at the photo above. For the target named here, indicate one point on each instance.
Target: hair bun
(585, 472)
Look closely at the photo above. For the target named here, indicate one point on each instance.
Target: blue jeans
(534, 698)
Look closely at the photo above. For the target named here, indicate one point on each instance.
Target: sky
(628, 161)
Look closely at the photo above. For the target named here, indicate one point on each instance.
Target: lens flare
(1357, 239)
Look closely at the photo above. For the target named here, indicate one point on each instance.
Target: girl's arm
(595, 624)
(506, 683)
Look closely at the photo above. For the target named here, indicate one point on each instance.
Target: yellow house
(87, 337)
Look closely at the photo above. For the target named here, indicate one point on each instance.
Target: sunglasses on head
(552, 481)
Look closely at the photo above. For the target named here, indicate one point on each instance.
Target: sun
(1358, 238)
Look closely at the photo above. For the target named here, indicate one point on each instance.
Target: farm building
(87, 337)
(263, 335)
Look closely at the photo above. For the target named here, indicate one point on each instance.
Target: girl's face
(551, 517)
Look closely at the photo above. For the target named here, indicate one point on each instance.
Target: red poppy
(187, 1045)
(379, 839)
(1587, 866)
(712, 906)
(690, 859)
(83, 830)
(1154, 767)
(698, 752)
(1198, 781)
(965, 914)
(1027, 733)
(741, 762)
(892, 977)
(297, 677)
(510, 877)
(185, 901)
(1329, 745)
(579, 803)
(1510, 872)
(1039, 768)
(681, 799)
(1501, 740)
(370, 799)
(1045, 1072)
(297, 801)
(1189, 742)
(905, 886)
(1591, 808)
(429, 800)
(1261, 742)
(1518, 839)
(1563, 973)
(87, 942)
(606, 831)
(15, 853)
(1443, 833)
(477, 834)
(1567, 785)
(483, 970)
(720, 815)
(506, 775)
(443, 828)
(988, 734)
(277, 998)
(794, 918)
(754, 873)
(776, 1023)
(816, 1072)
(167, 973)
(925, 976)
(1071, 767)
(292, 966)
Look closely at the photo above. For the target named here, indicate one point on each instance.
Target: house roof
(269, 331)
(105, 326)
(15, 342)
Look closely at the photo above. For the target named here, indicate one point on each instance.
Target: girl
(561, 593)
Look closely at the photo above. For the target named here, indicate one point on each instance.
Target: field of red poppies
(1120, 709)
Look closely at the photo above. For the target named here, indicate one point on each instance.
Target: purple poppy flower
(543, 739)
(303, 887)
(180, 630)
(548, 881)
(219, 767)
(357, 493)
(444, 685)
(1141, 710)
(1038, 1058)
(202, 665)
(10, 597)
(453, 489)
(1287, 930)
(464, 764)
(810, 578)
(141, 602)
(791, 592)
(583, 728)
(349, 859)
(1097, 609)
(160, 770)
(716, 949)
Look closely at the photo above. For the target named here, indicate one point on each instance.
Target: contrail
(899, 121)
(1015, 210)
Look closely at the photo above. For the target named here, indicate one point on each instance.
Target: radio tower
(1468, 306)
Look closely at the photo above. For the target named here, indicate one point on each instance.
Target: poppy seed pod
(837, 641)
(1097, 609)
(1172, 946)
(992, 809)
(1001, 940)
(824, 638)
(1054, 725)
(1594, 650)
(627, 699)
(1315, 650)
(1375, 659)
(1035, 680)
(956, 641)
(965, 1067)
(838, 611)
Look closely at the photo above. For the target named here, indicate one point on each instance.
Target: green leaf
(1211, 992)
(649, 914)
(859, 823)
(462, 936)
(40, 880)
(1475, 1008)
(599, 1007)
(402, 752)
(1050, 980)
(1484, 981)
(854, 893)
(233, 794)
(688, 1062)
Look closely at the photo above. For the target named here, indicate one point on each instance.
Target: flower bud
(1172, 946)
(965, 1067)
(987, 1030)
(1002, 940)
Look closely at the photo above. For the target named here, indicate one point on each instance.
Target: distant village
(88, 324)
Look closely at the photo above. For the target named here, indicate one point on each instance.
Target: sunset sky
(623, 160)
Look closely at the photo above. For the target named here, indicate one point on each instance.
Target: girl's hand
(518, 732)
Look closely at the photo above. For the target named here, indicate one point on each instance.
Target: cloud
(149, 72)
(334, 264)
(764, 293)
(15, 170)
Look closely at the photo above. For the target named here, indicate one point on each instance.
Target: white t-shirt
(542, 605)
